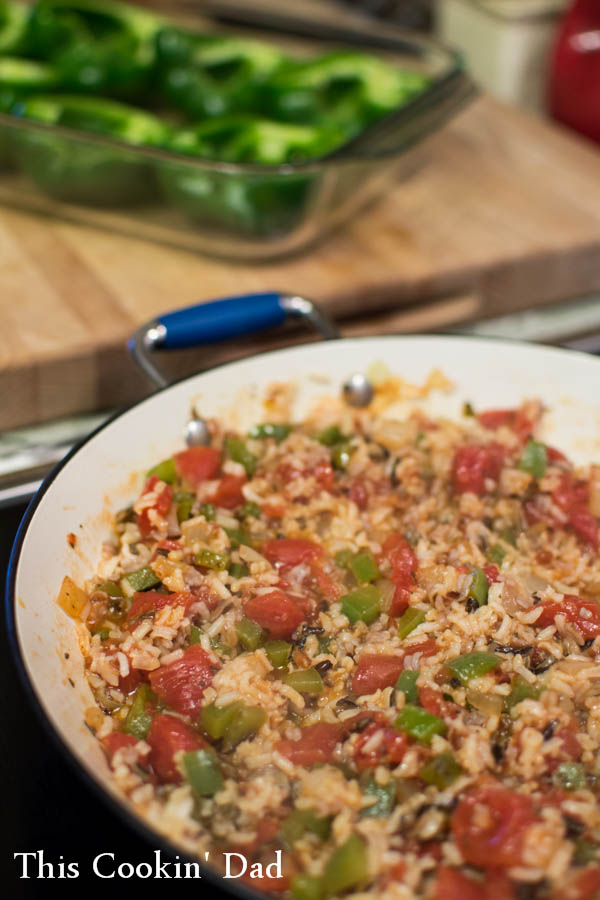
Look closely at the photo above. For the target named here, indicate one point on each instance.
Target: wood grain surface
(501, 212)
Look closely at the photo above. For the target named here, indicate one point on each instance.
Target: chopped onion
(488, 704)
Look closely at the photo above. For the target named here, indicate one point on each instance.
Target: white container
(506, 44)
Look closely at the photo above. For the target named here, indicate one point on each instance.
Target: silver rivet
(197, 433)
(358, 390)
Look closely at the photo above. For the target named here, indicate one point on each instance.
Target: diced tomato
(289, 552)
(325, 475)
(397, 872)
(428, 647)
(273, 510)
(162, 504)
(432, 701)
(358, 493)
(229, 492)
(585, 526)
(454, 885)
(492, 573)
(376, 671)
(116, 740)
(275, 612)
(315, 745)
(584, 885)
(146, 602)
(378, 745)
(489, 825)
(522, 421)
(570, 746)
(198, 464)
(473, 464)
(167, 736)
(404, 565)
(572, 496)
(182, 683)
(583, 614)
(555, 456)
(168, 544)
(129, 683)
(495, 418)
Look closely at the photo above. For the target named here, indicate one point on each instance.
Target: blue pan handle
(221, 320)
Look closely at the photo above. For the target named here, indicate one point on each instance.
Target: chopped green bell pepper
(267, 430)
(237, 450)
(473, 665)
(250, 634)
(19, 78)
(142, 580)
(215, 720)
(385, 799)
(419, 724)
(139, 716)
(112, 590)
(202, 772)
(570, 776)
(195, 634)
(496, 554)
(341, 454)
(307, 887)
(441, 771)
(249, 510)
(305, 681)
(75, 169)
(364, 567)
(479, 588)
(165, 471)
(278, 653)
(534, 459)
(347, 867)
(231, 723)
(185, 501)
(410, 620)
(407, 683)
(302, 820)
(521, 690)
(331, 436)
(343, 558)
(362, 604)
(209, 511)
(210, 560)
(238, 570)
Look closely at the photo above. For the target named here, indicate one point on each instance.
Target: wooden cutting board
(502, 212)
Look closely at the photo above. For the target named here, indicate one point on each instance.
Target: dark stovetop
(45, 805)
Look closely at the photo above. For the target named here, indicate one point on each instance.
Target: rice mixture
(373, 645)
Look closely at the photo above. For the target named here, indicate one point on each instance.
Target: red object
(492, 574)
(474, 463)
(390, 746)
(358, 493)
(161, 505)
(584, 614)
(453, 885)
(582, 886)
(198, 464)
(182, 683)
(129, 683)
(167, 736)
(432, 701)
(275, 612)
(325, 475)
(116, 740)
(376, 670)
(315, 745)
(572, 497)
(290, 552)
(489, 823)
(404, 565)
(518, 420)
(146, 602)
(575, 73)
(229, 492)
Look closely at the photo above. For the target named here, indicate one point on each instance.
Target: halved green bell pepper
(208, 75)
(13, 27)
(76, 170)
(346, 86)
(259, 203)
(98, 46)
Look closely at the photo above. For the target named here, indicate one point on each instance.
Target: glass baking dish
(239, 211)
